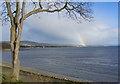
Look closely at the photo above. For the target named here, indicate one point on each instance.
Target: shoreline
(27, 74)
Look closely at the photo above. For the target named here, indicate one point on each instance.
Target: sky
(54, 29)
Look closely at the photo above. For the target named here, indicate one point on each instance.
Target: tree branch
(17, 11)
(44, 10)
(23, 10)
(40, 4)
(9, 11)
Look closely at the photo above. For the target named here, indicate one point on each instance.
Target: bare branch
(40, 4)
(23, 9)
(44, 10)
(17, 11)
(74, 10)
(79, 10)
(9, 11)
(35, 6)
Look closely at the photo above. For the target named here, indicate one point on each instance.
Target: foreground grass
(6, 79)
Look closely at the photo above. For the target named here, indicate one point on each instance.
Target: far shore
(33, 75)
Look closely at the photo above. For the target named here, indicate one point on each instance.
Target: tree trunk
(15, 45)
(16, 62)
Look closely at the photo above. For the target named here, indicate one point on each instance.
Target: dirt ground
(32, 75)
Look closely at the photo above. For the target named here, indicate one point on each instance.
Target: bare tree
(14, 12)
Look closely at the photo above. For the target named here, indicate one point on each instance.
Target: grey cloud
(92, 32)
(50, 28)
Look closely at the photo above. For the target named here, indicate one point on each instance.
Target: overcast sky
(52, 28)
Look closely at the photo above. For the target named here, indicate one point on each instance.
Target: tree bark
(15, 45)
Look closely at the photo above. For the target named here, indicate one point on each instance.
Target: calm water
(98, 64)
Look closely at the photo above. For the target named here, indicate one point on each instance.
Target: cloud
(55, 29)
(51, 28)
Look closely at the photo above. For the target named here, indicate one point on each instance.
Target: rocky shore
(32, 75)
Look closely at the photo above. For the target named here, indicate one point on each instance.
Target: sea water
(98, 64)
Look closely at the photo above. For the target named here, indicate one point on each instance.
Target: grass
(7, 79)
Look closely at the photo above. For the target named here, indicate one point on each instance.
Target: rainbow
(83, 43)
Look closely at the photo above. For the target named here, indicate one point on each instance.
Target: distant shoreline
(30, 44)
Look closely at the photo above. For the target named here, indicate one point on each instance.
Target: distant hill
(27, 44)
(31, 43)
(5, 45)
